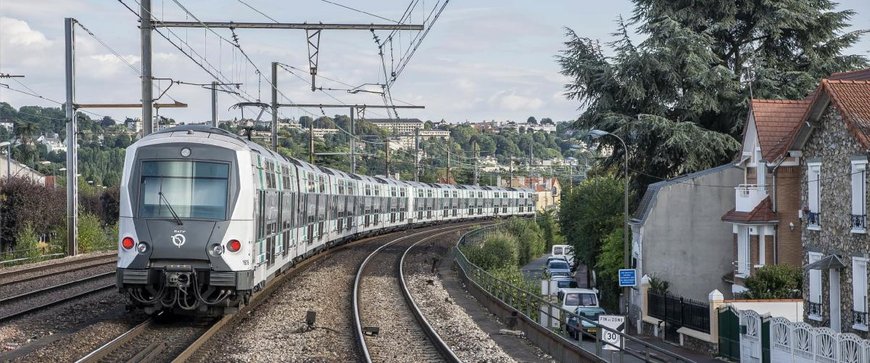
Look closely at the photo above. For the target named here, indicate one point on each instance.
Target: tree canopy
(679, 97)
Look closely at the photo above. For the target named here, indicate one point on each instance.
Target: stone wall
(834, 144)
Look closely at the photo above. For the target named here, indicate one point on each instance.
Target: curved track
(389, 326)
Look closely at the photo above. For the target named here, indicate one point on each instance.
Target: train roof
(209, 131)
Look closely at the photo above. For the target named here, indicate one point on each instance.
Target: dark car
(577, 327)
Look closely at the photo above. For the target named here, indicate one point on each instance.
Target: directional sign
(614, 322)
(627, 277)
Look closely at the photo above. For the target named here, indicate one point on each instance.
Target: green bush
(497, 251)
(92, 236)
(775, 282)
(27, 241)
(530, 241)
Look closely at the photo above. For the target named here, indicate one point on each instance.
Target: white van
(571, 299)
(564, 251)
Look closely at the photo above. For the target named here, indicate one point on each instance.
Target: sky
(482, 59)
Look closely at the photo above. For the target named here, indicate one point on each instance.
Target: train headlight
(185, 152)
(128, 243)
(217, 249)
(142, 247)
(234, 245)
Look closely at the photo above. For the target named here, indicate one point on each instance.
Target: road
(533, 271)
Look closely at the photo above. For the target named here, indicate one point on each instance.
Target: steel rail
(55, 302)
(79, 268)
(270, 288)
(360, 336)
(55, 287)
(5, 274)
(439, 343)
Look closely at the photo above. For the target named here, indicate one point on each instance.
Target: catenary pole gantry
(147, 24)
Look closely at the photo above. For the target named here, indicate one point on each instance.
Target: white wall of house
(683, 240)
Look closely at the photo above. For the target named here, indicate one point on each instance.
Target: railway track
(32, 301)
(200, 350)
(389, 325)
(36, 272)
(152, 341)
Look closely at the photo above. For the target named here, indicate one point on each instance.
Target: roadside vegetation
(34, 218)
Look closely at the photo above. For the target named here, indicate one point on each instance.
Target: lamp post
(595, 134)
(8, 145)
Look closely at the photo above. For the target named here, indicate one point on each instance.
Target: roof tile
(852, 98)
(776, 121)
(763, 212)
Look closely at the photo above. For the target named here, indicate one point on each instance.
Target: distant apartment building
(7, 124)
(408, 141)
(402, 126)
(320, 133)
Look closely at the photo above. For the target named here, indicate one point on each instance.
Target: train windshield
(195, 189)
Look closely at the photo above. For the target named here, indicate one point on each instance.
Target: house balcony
(748, 196)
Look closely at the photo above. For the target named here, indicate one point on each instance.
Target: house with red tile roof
(764, 220)
(834, 143)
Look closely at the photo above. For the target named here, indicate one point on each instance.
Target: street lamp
(8, 146)
(595, 134)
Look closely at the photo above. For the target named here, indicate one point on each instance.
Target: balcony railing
(859, 317)
(859, 222)
(814, 309)
(813, 219)
(748, 196)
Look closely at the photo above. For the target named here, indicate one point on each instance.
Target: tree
(588, 213)
(681, 94)
(532, 120)
(608, 267)
(547, 121)
(107, 122)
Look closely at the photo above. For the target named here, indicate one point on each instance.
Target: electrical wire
(358, 10)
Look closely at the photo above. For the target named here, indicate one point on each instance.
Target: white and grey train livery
(207, 217)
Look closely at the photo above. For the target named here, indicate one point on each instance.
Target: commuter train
(207, 217)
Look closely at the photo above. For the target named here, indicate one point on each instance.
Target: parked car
(558, 267)
(565, 251)
(564, 282)
(572, 298)
(578, 327)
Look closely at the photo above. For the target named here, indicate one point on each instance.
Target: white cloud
(512, 101)
(17, 33)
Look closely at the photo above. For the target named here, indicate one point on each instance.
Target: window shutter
(859, 284)
(815, 280)
(813, 188)
(858, 188)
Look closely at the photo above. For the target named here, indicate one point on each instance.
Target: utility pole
(147, 96)
(352, 142)
(387, 157)
(448, 162)
(214, 116)
(416, 154)
(476, 156)
(311, 142)
(72, 185)
(275, 106)
(511, 178)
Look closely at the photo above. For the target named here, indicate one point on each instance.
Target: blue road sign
(627, 277)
